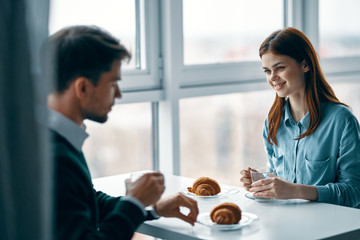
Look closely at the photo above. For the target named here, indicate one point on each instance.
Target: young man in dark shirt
(85, 63)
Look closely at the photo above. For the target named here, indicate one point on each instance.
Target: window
(222, 134)
(134, 23)
(117, 17)
(199, 61)
(339, 28)
(122, 144)
(219, 31)
(348, 93)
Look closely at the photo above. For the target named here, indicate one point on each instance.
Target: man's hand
(170, 207)
(147, 189)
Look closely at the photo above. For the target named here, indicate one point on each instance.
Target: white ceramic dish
(225, 191)
(265, 200)
(246, 219)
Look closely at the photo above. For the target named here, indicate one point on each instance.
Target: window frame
(148, 78)
(166, 80)
(204, 80)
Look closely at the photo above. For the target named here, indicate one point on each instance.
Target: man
(86, 64)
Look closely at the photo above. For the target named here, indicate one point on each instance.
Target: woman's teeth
(278, 86)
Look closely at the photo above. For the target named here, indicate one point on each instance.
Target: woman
(311, 138)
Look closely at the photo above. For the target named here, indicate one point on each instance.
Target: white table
(289, 219)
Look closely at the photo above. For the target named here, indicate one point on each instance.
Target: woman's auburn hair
(293, 43)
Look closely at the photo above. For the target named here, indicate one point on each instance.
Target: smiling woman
(311, 138)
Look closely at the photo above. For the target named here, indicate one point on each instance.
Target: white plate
(225, 191)
(264, 200)
(246, 219)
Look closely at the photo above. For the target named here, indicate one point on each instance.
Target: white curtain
(25, 166)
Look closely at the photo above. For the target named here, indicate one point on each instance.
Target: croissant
(226, 213)
(205, 186)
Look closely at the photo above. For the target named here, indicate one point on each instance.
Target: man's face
(102, 97)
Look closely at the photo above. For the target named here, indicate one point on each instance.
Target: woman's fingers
(263, 188)
(273, 187)
(265, 181)
(245, 178)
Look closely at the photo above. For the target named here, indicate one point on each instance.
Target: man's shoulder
(56, 138)
(68, 160)
(61, 146)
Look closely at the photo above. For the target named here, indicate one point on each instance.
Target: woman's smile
(278, 86)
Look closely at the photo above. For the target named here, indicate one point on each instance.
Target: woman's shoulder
(336, 112)
(331, 106)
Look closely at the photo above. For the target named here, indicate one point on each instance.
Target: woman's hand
(245, 178)
(275, 187)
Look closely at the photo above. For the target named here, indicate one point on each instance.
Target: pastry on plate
(226, 213)
(205, 186)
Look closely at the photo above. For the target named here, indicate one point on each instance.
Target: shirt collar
(287, 113)
(65, 127)
(305, 121)
(288, 117)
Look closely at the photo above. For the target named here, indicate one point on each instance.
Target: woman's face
(285, 75)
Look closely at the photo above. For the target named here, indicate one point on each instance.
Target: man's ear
(81, 87)
(305, 66)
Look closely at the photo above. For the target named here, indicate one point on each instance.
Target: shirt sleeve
(151, 213)
(107, 204)
(135, 202)
(346, 190)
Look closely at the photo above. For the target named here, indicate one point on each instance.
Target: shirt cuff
(152, 212)
(323, 193)
(135, 202)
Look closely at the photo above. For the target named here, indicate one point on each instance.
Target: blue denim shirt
(328, 159)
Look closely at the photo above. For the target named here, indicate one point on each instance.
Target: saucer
(259, 199)
(246, 219)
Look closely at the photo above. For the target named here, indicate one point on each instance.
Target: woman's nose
(273, 76)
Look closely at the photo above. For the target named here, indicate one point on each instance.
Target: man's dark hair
(80, 51)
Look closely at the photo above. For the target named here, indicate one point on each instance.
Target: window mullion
(172, 52)
(303, 15)
(137, 35)
(311, 21)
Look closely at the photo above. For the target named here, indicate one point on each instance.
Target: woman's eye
(280, 68)
(266, 71)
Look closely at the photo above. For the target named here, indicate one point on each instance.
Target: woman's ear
(305, 66)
